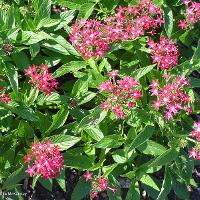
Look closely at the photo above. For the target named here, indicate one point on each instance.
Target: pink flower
(122, 94)
(171, 97)
(87, 175)
(192, 14)
(113, 73)
(196, 131)
(93, 38)
(193, 153)
(5, 98)
(46, 160)
(105, 106)
(164, 53)
(41, 78)
(131, 105)
(99, 183)
(182, 24)
(94, 194)
(31, 171)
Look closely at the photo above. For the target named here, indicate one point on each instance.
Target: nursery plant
(106, 89)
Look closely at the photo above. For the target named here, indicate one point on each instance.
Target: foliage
(91, 138)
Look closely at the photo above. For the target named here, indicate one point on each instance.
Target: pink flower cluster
(45, 160)
(93, 38)
(41, 78)
(195, 152)
(123, 94)
(172, 97)
(192, 14)
(99, 184)
(165, 53)
(196, 131)
(3, 96)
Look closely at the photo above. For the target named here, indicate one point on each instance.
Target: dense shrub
(103, 87)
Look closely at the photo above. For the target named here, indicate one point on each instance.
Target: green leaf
(139, 73)
(95, 133)
(93, 119)
(165, 158)
(197, 52)
(72, 66)
(43, 123)
(166, 186)
(86, 10)
(25, 130)
(150, 185)
(65, 44)
(61, 180)
(168, 17)
(12, 75)
(47, 22)
(59, 119)
(133, 192)
(110, 141)
(142, 137)
(32, 96)
(121, 156)
(64, 141)
(15, 178)
(46, 183)
(110, 4)
(109, 168)
(42, 10)
(80, 87)
(194, 82)
(10, 18)
(81, 190)
(19, 62)
(180, 188)
(23, 111)
(77, 161)
(34, 49)
(29, 37)
(152, 148)
(87, 97)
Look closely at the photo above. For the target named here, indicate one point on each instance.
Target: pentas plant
(131, 22)
(99, 184)
(3, 96)
(44, 159)
(192, 14)
(122, 94)
(41, 79)
(93, 38)
(171, 98)
(195, 152)
(164, 53)
(89, 38)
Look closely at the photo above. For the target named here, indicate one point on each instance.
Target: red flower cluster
(89, 38)
(41, 78)
(45, 160)
(164, 53)
(195, 152)
(122, 94)
(93, 38)
(192, 14)
(99, 183)
(171, 97)
(196, 131)
(4, 97)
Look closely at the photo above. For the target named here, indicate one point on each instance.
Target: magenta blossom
(45, 160)
(123, 94)
(172, 97)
